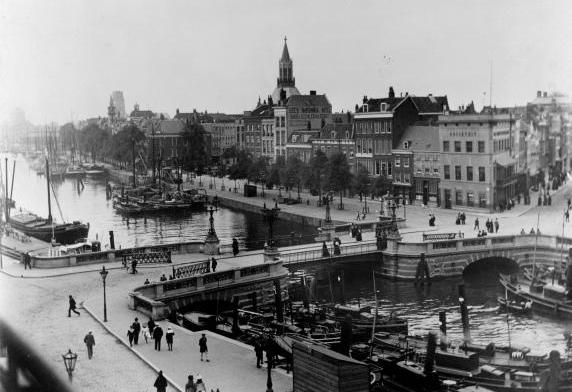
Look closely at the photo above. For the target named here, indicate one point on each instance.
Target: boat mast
(535, 245)
(12, 184)
(507, 315)
(153, 150)
(6, 205)
(374, 316)
(133, 162)
(49, 197)
(561, 249)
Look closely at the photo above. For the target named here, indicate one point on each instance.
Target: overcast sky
(62, 58)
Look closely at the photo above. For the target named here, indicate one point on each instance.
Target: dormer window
(383, 107)
(333, 134)
(365, 107)
(406, 145)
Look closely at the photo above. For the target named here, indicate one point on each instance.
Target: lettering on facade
(462, 134)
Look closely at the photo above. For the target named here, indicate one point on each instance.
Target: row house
(257, 123)
(379, 125)
(334, 138)
(478, 164)
(300, 144)
(422, 141)
(224, 135)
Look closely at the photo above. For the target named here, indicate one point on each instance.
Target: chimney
(365, 99)
(312, 92)
(545, 94)
(177, 110)
(430, 95)
(539, 94)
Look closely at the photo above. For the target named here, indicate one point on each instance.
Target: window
(397, 162)
(458, 173)
(469, 173)
(457, 146)
(436, 172)
(470, 199)
(459, 198)
(447, 172)
(481, 174)
(446, 145)
(469, 147)
(405, 162)
(482, 200)
(282, 121)
(277, 121)
(405, 145)
(426, 170)
(389, 168)
(481, 146)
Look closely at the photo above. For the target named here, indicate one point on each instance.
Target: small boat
(197, 321)
(514, 306)
(74, 172)
(550, 298)
(362, 319)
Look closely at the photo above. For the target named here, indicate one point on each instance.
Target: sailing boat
(46, 229)
(552, 298)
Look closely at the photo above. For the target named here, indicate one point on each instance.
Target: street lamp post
(269, 375)
(69, 362)
(103, 274)
(270, 215)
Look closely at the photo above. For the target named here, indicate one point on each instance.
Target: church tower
(286, 81)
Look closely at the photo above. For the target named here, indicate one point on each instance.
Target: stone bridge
(248, 287)
(445, 258)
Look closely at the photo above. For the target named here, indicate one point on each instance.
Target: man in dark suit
(157, 336)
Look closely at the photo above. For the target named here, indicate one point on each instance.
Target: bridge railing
(317, 253)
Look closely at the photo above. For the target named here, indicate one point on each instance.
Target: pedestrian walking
(72, 307)
(476, 224)
(200, 386)
(151, 326)
(136, 330)
(130, 333)
(89, 341)
(27, 261)
(204, 349)
(145, 333)
(358, 216)
(325, 251)
(134, 266)
(160, 382)
(259, 351)
(157, 336)
(169, 338)
(234, 247)
(191, 386)
(567, 215)
(496, 225)
(213, 264)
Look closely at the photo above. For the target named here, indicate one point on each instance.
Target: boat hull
(65, 233)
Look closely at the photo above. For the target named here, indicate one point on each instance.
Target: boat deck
(17, 243)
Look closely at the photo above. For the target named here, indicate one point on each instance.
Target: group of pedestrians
(461, 217)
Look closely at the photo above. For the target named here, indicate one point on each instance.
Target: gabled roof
(308, 100)
(142, 114)
(262, 111)
(339, 128)
(374, 104)
(430, 104)
(422, 138)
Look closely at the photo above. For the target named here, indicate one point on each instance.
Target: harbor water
(87, 202)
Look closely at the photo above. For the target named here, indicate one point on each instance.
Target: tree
(125, 141)
(318, 178)
(362, 182)
(340, 175)
(274, 176)
(94, 140)
(239, 169)
(292, 173)
(381, 186)
(193, 152)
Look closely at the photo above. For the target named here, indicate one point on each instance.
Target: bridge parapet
(152, 298)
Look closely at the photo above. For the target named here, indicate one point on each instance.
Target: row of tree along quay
(322, 176)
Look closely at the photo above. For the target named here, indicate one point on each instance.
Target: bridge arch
(489, 264)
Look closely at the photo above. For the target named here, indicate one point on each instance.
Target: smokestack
(430, 357)
(464, 313)
(443, 328)
(312, 92)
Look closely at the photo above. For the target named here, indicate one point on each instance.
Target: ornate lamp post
(69, 362)
(269, 368)
(211, 246)
(103, 274)
(270, 216)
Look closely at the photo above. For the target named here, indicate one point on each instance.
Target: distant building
(224, 134)
(300, 144)
(257, 123)
(119, 104)
(423, 143)
(479, 169)
(334, 138)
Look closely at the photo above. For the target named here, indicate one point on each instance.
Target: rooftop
(422, 138)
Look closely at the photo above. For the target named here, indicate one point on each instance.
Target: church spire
(285, 55)
(285, 68)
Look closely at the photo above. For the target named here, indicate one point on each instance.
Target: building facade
(478, 167)
(119, 104)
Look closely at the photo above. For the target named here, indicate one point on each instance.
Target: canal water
(419, 304)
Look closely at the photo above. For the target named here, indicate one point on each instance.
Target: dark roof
(308, 100)
(194, 116)
(262, 111)
(423, 138)
(339, 128)
(430, 104)
(171, 127)
(374, 104)
(141, 114)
